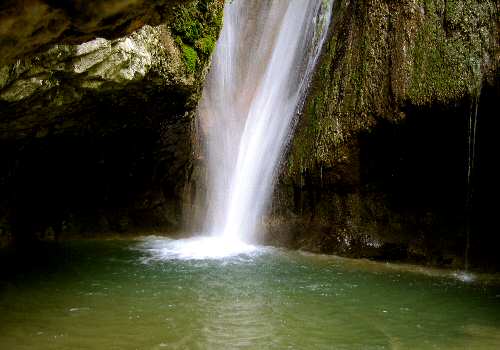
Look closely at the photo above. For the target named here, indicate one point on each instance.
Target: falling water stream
(260, 73)
(471, 160)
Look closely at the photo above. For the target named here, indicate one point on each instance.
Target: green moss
(178, 41)
(448, 52)
(206, 45)
(196, 27)
(190, 58)
(436, 65)
(187, 26)
(383, 56)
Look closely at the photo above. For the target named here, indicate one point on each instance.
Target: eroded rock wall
(96, 109)
(378, 166)
(31, 26)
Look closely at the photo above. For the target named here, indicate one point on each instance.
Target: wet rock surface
(379, 164)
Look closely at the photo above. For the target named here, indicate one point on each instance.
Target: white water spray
(260, 72)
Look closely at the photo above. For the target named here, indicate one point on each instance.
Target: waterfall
(260, 73)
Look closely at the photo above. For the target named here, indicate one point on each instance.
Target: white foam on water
(463, 276)
(195, 248)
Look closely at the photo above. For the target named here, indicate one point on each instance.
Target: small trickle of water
(260, 73)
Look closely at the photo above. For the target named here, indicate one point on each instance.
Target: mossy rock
(383, 56)
(197, 27)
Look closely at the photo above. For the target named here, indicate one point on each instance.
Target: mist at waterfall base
(260, 72)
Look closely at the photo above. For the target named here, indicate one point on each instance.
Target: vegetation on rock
(104, 122)
(379, 157)
(383, 56)
(197, 27)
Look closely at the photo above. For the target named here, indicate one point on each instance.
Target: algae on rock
(384, 55)
(380, 148)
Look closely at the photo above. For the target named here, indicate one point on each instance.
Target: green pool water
(123, 295)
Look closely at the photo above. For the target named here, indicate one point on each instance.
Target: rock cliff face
(96, 108)
(28, 27)
(379, 165)
(393, 157)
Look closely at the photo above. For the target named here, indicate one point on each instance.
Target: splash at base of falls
(218, 250)
(464, 276)
(196, 248)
